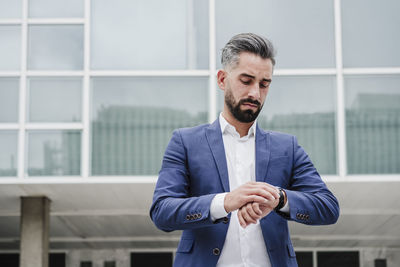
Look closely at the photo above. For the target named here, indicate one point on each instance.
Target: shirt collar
(226, 127)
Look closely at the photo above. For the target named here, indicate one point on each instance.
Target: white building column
(34, 244)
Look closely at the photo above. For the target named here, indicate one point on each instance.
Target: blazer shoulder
(192, 132)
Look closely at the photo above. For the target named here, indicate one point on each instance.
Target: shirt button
(216, 251)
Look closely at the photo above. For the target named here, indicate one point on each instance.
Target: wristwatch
(281, 200)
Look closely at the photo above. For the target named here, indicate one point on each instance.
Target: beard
(246, 115)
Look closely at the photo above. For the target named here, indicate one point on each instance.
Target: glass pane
(55, 47)
(55, 9)
(302, 31)
(305, 107)
(371, 33)
(10, 47)
(10, 9)
(54, 153)
(8, 153)
(151, 259)
(133, 119)
(55, 99)
(338, 258)
(304, 258)
(9, 91)
(373, 124)
(136, 35)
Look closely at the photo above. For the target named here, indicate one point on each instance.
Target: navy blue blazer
(194, 170)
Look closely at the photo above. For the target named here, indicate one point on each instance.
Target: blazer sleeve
(173, 206)
(310, 200)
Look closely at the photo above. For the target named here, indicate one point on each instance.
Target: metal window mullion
(85, 144)
(340, 99)
(22, 91)
(369, 71)
(212, 93)
(315, 261)
(56, 21)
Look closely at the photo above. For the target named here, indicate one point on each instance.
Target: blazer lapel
(214, 138)
(262, 154)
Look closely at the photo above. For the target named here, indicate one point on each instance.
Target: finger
(268, 187)
(248, 219)
(251, 212)
(257, 199)
(260, 191)
(241, 220)
(256, 208)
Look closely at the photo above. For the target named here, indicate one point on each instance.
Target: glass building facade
(95, 88)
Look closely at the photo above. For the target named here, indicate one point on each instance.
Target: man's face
(246, 86)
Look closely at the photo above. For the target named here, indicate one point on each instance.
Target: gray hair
(246, 42)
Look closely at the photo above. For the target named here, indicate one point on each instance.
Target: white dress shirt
(243, 247)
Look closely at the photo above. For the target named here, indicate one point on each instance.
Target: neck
(241, 127)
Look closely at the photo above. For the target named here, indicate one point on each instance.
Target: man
(232, 186)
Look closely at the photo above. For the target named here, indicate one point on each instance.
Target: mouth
(250, 105)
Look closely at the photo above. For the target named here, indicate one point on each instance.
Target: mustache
(248, 100)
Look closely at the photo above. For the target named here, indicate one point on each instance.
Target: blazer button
(199, 214)
(196, 216)
(216, 251)
(188, 217)
(307, 217)
(192, 217)
(298, 216)
(225, 220)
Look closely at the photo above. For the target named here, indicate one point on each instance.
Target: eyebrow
(253, 77)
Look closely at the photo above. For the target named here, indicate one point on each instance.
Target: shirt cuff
(285, 209)
(217, 209)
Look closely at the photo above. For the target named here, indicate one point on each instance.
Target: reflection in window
(145, 34)
(133, 120)
(55, 8)
(8, 153)
(55, 99)
(9, 92)
(373, 124)
(303, 36)
(10, 47)
(54, 153)
(55, 47)
(305, 107)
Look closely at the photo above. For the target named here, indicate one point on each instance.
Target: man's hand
(252, 212)
(251, 192)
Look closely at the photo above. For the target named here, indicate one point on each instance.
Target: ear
(221, 76)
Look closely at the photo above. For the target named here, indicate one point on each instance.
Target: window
(338, 258)
(53, 153)
(151, 259)
(304, 258)
(371, 33)
(310, 29)
(55, 99)
(10, 47)
(55, 47)
(8, 153)
(373, 124)
(9, 92)
(133, 119)
(183, 35)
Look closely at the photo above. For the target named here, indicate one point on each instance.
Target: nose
(254, 92)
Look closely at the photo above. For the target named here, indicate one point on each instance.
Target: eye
(247, 82)
(264, 85)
